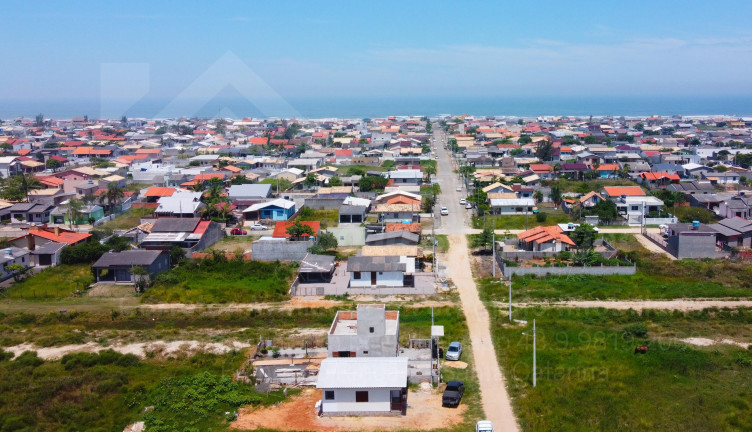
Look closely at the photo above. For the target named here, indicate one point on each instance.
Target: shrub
(28, 358)
(639, 330)
(85, 253)
(541, 217)
(5, 355)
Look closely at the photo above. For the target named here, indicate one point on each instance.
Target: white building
(511, 206)
(370, 331)
(363, 386)
(381, 271)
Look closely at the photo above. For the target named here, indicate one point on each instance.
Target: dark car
(453, 393)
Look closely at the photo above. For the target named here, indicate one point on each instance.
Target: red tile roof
(280, 229)
(65, 236)
(159, 192)
(616, 191)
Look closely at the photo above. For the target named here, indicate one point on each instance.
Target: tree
(369, 183)
(326, 242)
(484, 239)
(140, 278)
(18, 271)
(53, 164)
(538, 195)
(545, 150)
(335, 181)
(583, 236)
(555, 194)
(113, 196)
(605, 210)
(283, 184)
(427, 203)
(639, 127)
(525, 139)
(298, 230)
(17, 187)
(310, 180)
(73, 210)
(429, 170)
(177, 254)
(39, 120)
(292, 130)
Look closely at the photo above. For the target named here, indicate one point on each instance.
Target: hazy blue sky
(62, 49)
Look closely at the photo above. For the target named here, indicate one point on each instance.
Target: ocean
(371, 107)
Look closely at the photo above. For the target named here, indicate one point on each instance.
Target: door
(396, 400)
(373, 278)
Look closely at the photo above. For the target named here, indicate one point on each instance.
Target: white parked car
(462, 201)
(469, 205)
(484, 426)
(459, 188)
(454, 351)
(257, 227)
(444, 211)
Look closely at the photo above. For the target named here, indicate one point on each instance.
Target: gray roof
(737, 224)
(128, 258)
(352, 210)
(413, 237)
(362, 372)
(250, 190)
(48, 248)
(175, 225)
(313, 263)
(687, 227)
(15, 252)
(376, 263)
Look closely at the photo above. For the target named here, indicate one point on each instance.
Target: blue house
(278, 210)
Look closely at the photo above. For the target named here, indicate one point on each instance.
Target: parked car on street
(458, 188)
(453, 393)
(238, 231)
(462, 201)
(257, 227)
(444, 211)
(468, 205)
(484, 426)
(454, 351)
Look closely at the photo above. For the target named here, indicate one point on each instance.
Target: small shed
(352, 214)
(118, 265)
(364, 386)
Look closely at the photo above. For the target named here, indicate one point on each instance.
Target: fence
(569, 270)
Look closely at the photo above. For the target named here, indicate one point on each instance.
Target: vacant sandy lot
(424, 412)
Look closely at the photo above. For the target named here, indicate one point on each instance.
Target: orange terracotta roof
(87, 151)
(148, 151)
(65, 236)
(206, 177)
(545, 234)
(608, 167)
(159, 192)
(411, 227)
(615, 191)
(231, 168)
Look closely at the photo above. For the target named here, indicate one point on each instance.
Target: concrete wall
(562, 271)
(365, 346)
(344, 402)
(282, 250)
(324, 203)
(349, 235)
(692, 245)
(213, 234)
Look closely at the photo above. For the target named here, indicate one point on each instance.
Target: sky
(194, 49)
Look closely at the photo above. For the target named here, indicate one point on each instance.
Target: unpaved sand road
(652, 247)
(140, 349)
(638, 305)
(424, 412)
(496, 402)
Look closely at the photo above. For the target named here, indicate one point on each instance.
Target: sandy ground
(140, 349)
(652, 247)
(709, 342)
(297, 303)
(424, 412)
(638, 305)
(455, 364)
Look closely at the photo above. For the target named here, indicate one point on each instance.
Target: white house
(381, 271)
(510, 206)
(363, 386)
(10, 256)
(370, 331)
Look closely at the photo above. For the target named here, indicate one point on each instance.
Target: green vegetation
(689, 214)
(328, 218)
(108, 391)
(218, 280)
(553, 217)
(126, 220)
(589, 379)
(350, 170)
(443, 242)
(53, 282)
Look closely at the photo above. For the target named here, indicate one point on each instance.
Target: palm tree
(113, 195)
(73, 207)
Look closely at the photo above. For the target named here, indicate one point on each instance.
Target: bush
(639, 330)
(541, 217)
(85, 253)
(106, 357)
(28, 358)
(5, 355)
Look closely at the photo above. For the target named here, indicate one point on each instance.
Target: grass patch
(348, 170)
(217, 280)
(442, 245)
(108, 391)
(689, 214)
(328, 218)
(553, 217)
(589, 378)
(53, 282)
(126, 220)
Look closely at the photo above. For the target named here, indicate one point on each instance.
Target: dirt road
(638, 305)
(496, 402)
(652, 247)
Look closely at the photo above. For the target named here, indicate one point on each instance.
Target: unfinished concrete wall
(349, 235)
(692, 245)
(282, 250)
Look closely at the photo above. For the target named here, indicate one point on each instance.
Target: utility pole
(510, 298)
(493, 253)
(534, 370)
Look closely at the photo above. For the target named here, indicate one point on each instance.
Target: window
(634, 208)
(356, 275)
(329, 395)
(361, 396)
(370, 329)
(365, 352)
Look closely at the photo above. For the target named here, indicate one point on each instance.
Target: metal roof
(362, 372)
(128, 258)
(313, 263)
(376, 263)
(174, 225)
